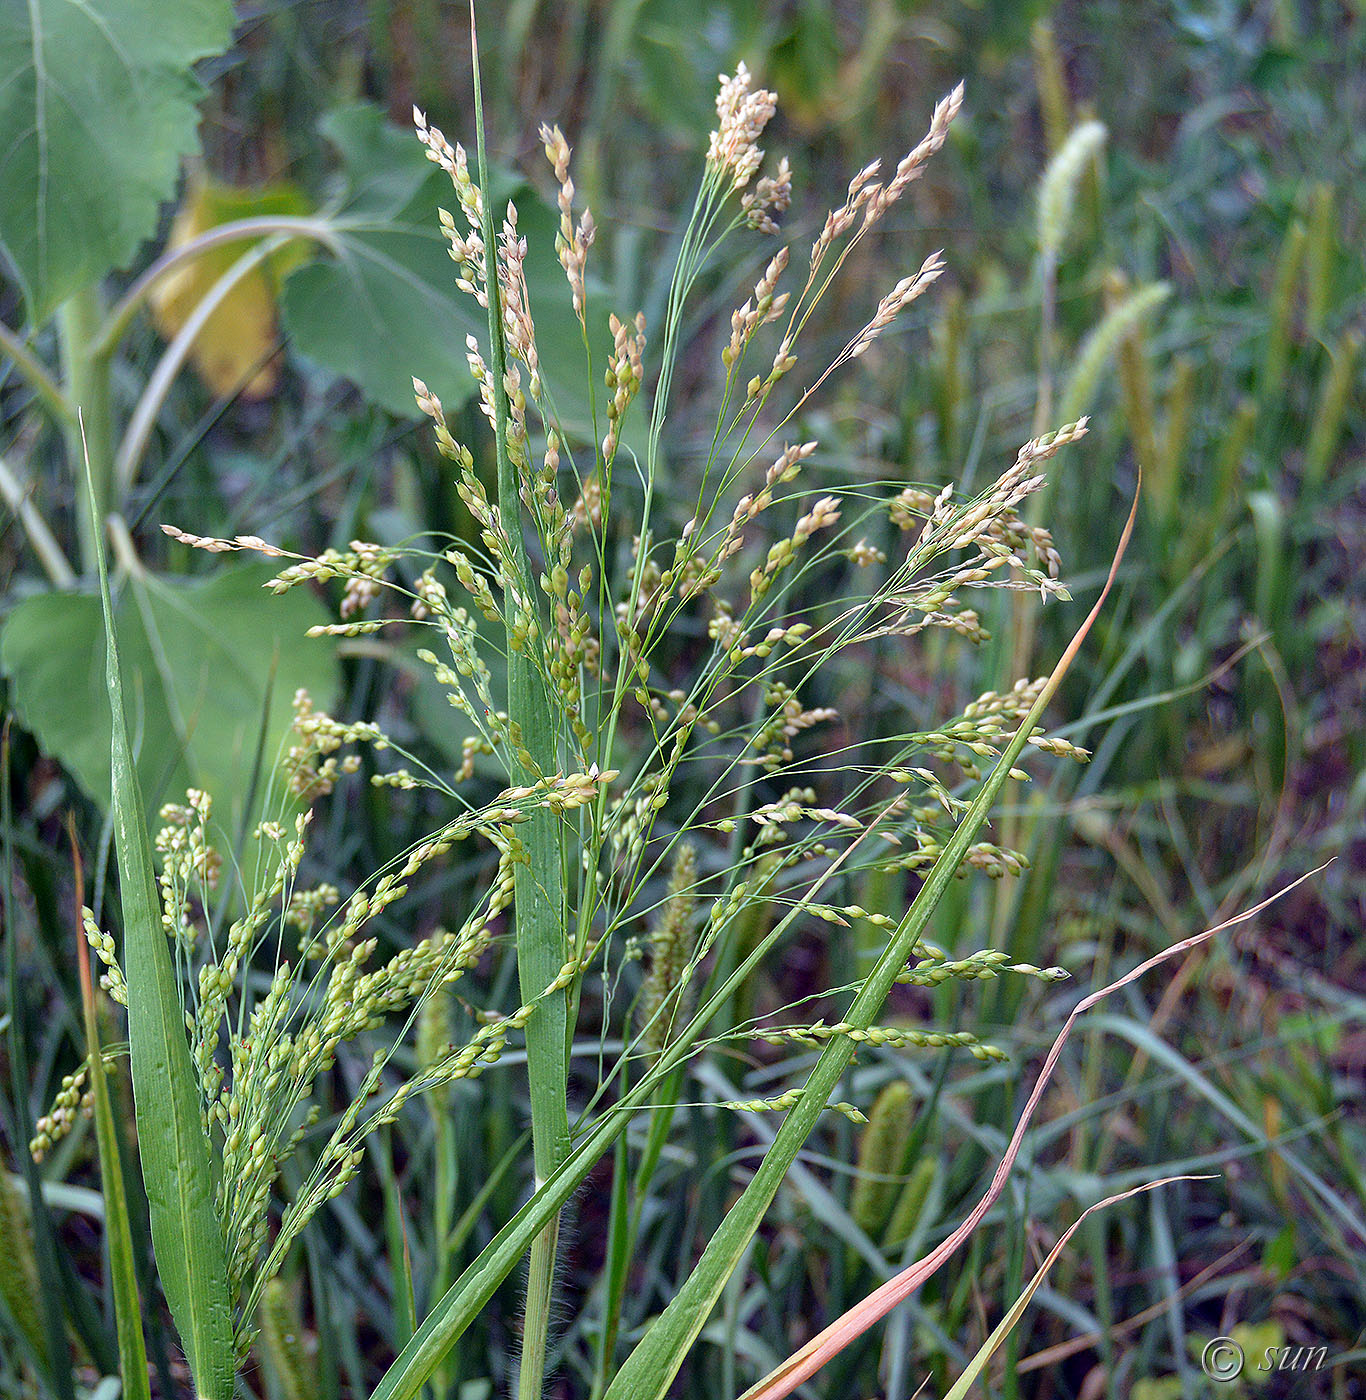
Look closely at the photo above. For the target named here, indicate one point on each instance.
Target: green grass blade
(52, 1360)
(117, 1229)
(651, 1367)
(540, 923)
(396, 1243)
(172, 1143)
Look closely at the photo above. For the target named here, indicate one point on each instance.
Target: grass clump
(643, 675)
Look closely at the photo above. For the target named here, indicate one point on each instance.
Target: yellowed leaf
(232, 353)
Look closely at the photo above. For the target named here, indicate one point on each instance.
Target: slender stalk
(443, 1199)
(87, 393)
(289, 227)
(36, 375)
(40, 537)
(159, 385)
(117, 1229)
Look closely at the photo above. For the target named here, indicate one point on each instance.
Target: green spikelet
(1100, 345)
(1318, 259)
(1232, 451)
(910, 1203)
(670, 948)
(881, 1154)
(1334, 388)
(1136, 389)
(1058, 189)
(1048, 78)
(19, 1273)
(282, 1342)
(1283, 287)
(434, 1034)
(1180, 401)
(1228, 465)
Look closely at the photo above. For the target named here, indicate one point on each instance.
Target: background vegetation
(1206, 310)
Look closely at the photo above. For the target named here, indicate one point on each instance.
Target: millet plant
(635, 669)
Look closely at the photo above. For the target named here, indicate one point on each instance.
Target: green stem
(118, 1231)
(87, 392)
(36, 374)
(50, 554)
(122, 312)
(149, 404)
(447, 1183)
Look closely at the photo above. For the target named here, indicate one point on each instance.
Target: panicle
(743, 116)
(571, 243)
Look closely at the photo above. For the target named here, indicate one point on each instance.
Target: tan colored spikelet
(1176, 434)
(1051, 85)
(1136, 389)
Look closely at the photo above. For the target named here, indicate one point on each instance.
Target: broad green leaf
(388, 308)
(98, 104)
(197, 658)
(173, 1146)
(232, 353)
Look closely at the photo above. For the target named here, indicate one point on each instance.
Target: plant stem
(447, 1183)
(36, 374)
(87, 392)
(150, 402)
(44, 543)
(317, 230)
(118, 1231)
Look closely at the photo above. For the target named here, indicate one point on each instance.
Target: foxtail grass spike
(881, 1157)
(1335, 388)
(1284, 285)
(283, 1343)
(1175, 434)
(1054, 106)
(1319, 252)
(1058, 189)
(1100, 346)
(910, 1203)
(19, 1276)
